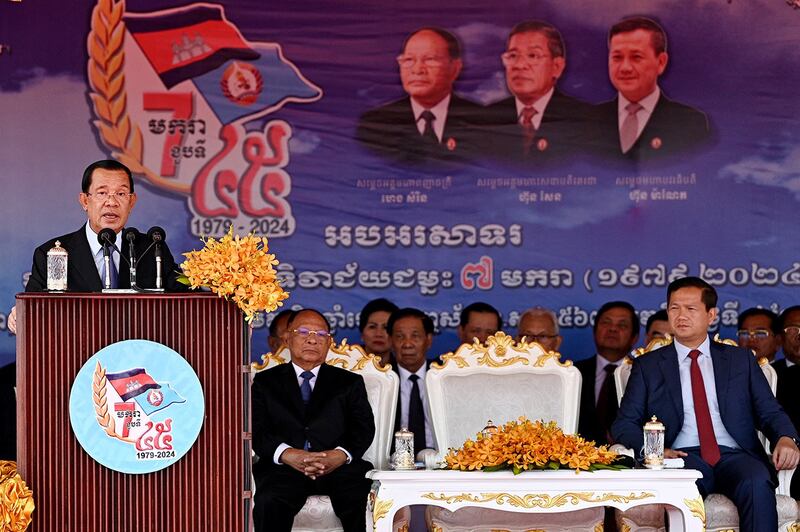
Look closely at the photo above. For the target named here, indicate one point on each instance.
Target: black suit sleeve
(264, 440)
(170, 271)
(360, 424)
(37, 282)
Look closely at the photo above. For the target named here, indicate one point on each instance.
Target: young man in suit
(311, 425)
(538, 123)
(712, 399)
(616, 329)
(432, 124)
(641, 123)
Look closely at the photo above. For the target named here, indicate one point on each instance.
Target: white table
(537, 491)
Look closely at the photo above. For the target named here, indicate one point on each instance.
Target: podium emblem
(136, 406)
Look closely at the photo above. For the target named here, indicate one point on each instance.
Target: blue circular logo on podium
(136, 406)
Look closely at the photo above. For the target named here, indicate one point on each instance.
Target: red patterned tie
(709, 449)
(528, 129)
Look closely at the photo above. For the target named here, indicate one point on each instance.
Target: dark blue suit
(746, 405)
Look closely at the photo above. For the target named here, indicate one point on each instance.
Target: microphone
(107, 237)
(157, 235)
(130, 234)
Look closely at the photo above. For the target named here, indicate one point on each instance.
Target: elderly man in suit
(712, 398)
(311, 425)
(107, 196)
(538, 122)
(641, 123)
(432, 123)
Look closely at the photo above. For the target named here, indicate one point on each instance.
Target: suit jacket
(673, 128)
(338, 414)
(788, 384)
(745, 400)
(82, 274)
(391, 132)
(589, 425)
(563, 132)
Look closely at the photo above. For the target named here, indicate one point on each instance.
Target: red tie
(528, 129)
(709, 449)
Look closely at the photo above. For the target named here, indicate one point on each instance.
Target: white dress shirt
(688, 437)
(540, 105)
(643, 115)
(313, 382)
(97, 252)
(439, 112)
(405, 398)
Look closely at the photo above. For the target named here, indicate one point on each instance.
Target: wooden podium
(206, 490)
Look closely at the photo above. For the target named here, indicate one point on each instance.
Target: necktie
(305, 387)
(630, 127)
(428, 132)
(416, 415)
(528, 129)
(607, 404)
(709, 450)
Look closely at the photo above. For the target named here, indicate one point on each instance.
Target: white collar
(540, 105)
(683, 351)
(648, 103)
(298, 370)
(439, 110)
(94, 244)
(405, 374)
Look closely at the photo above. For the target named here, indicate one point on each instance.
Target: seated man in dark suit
(478, 321)
(642, 124)
(538, 122)
(411, 334)
(432, 123)
(788, 370)
(712, 399)
(758, 329)
(616, 329)
(311, 425)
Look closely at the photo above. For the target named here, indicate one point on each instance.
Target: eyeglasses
(304, 332)
(756, 334)
(509, 58)
(430, 61)
(792, 330)
(121, 197)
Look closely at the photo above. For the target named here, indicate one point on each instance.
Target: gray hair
(536, 312)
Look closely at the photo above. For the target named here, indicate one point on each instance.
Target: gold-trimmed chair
(382, 391)
(502, 381)
(721, 513)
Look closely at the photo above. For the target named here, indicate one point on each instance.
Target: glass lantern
(403, 450)
(653, 451)
(489, 430)
(57, 268)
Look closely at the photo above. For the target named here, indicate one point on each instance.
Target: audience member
(540, 325)
(759, 331)
(372, 324)
(312, 423)
(712, 399)
(411, 333)
(479, 321)
(616, 329)
(657, 327)
(788, 370)
(277, 329)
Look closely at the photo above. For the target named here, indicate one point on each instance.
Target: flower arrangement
(524, 445)
(16, 500)
(236, 268)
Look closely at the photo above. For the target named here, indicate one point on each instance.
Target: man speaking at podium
(107, 197)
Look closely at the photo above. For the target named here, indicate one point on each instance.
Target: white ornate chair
(501, 382)
(382, 390)
(721, 514)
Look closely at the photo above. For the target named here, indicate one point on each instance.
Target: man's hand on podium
(12, 320)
